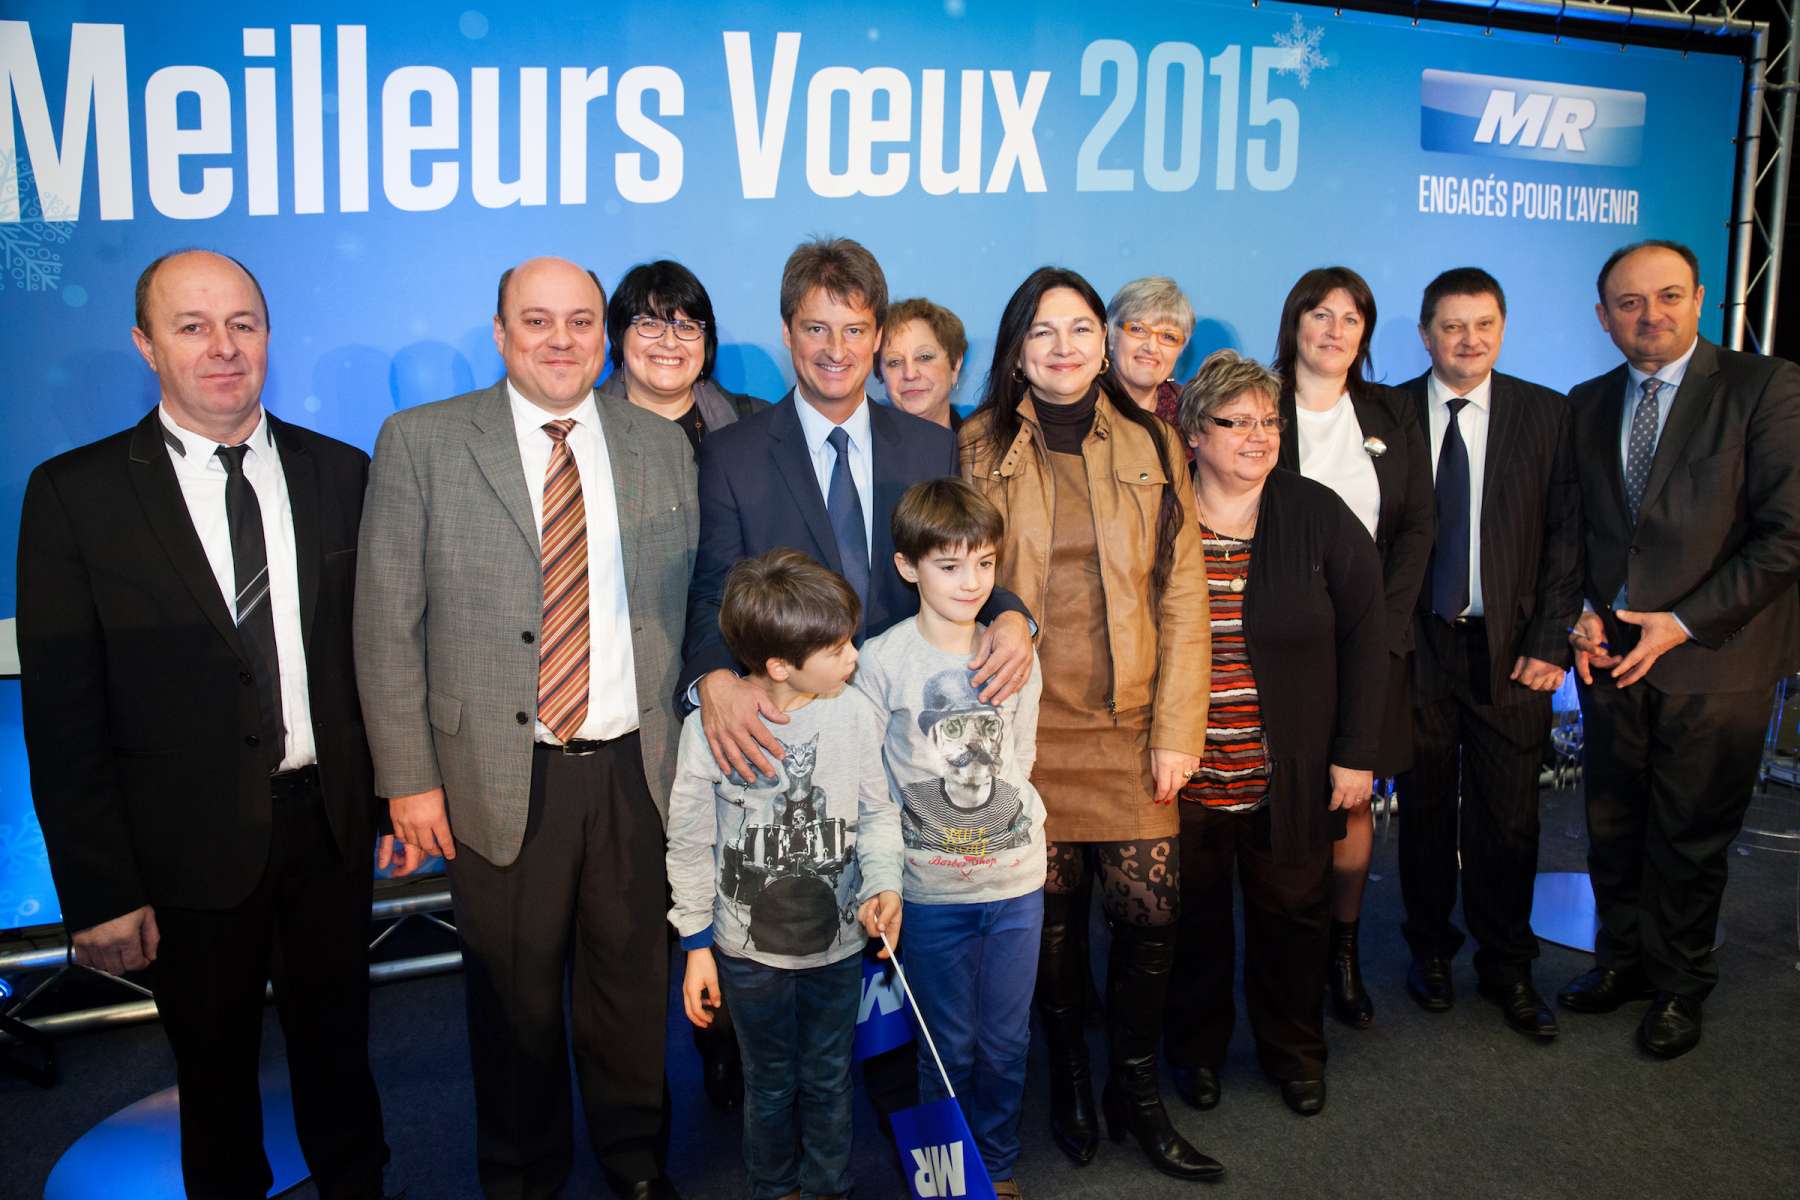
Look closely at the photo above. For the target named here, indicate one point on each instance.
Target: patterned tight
(1140, 882)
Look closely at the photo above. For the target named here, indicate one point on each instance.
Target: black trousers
(1668, 778)
(1473, 787)
(589, 885)
(306, 928)
(1286, 929)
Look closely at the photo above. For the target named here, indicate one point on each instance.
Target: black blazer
(1530, 536)
(1407, 522)
(1717, 540)
(758, 491)
(1313, 624)
(136, 689)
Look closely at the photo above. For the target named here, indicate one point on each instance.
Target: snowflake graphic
(1301, 41)
(29, 258)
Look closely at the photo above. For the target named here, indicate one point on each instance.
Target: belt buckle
(580, 747)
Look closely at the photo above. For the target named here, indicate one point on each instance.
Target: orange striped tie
(563, 664)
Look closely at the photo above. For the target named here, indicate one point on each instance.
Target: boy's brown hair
(785, 605)
(945, 514)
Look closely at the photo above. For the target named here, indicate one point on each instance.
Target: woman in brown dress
(1101, 542)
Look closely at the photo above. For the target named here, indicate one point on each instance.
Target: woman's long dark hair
(1005, 388)
(1308, 292)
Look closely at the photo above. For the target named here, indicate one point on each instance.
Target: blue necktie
(1640, 445)
(845, 508)
(1450, 564)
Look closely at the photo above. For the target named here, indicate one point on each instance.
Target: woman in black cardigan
(1298, 668)
(1364, 442)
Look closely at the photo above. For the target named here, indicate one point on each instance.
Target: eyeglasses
(1246, 424)
(652, 328)
(1171, 338)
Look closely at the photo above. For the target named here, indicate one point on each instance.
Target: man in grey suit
(517, 707)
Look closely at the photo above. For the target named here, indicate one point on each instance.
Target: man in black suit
(1491, 635)
(197, 752)
(821, 471)
(1690, 493)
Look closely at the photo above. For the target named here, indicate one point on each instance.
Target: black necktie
(255, 617)
(1450, 563)
(845, 508)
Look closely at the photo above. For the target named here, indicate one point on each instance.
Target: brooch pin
(1374, 446)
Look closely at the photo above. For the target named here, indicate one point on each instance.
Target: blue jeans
(795, 1029)
(972, 970)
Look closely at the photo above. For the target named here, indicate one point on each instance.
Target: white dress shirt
(612, 672)
(817, 427)
(1473, 422)
(1331, 451)
(202, 478)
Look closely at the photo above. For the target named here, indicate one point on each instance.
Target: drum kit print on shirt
(791, 870)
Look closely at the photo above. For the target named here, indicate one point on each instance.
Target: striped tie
(563, 664)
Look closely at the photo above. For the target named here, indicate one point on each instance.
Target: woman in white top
(1365, 442)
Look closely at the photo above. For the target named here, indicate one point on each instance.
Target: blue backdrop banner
(378, 172)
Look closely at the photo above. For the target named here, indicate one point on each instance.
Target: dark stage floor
(1441, 1106)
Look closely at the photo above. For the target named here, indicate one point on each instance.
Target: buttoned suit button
(250, 739)
(246, 678)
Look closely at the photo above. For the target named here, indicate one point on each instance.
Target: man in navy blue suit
(821, 472)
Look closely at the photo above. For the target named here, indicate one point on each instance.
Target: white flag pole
(893, 958)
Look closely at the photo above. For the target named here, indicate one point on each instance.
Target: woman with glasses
(1101, 543)
(1293, 725)
(663, 341)
(1148, 324)
(1364, 442)
(922, 348)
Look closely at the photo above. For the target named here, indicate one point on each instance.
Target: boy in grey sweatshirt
(778, 885)
(972, 824)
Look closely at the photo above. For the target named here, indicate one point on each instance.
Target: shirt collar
(193, 452)
(529, 419)
(815, 426)
(1670, 373)
(1481, 395)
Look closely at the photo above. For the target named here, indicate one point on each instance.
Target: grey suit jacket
(449, 604)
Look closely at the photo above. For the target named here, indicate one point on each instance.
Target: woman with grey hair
(1148, 323)
(1293, 730)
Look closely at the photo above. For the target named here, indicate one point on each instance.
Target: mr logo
(940, 1171)
(883, 1021)
(1529, 118)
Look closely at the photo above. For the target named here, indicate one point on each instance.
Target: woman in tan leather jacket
(1101, 543)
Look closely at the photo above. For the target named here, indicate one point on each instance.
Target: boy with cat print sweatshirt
(778, 884)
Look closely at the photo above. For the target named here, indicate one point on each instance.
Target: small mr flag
(938, 1155)
(882, 1020)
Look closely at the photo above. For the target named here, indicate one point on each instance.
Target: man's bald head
(507, 275)
(141, 309)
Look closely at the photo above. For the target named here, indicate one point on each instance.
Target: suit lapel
(888, 486)
(1502, 440)
(792, 461)
(302, 474)
(160, 499)
(1684, 415)
(495, 446)
(618, 428)
(1373, 420)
